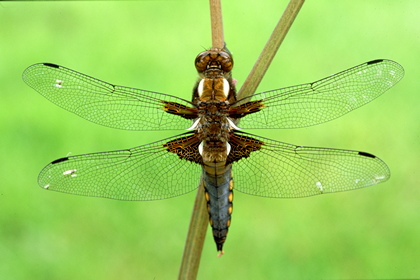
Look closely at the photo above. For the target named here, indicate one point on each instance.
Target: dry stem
(199, 220)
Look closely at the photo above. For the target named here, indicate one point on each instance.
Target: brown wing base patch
(241, 147)
(240, 111)
(186, 148)
(180, 110)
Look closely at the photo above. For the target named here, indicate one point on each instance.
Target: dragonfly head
(213, 61)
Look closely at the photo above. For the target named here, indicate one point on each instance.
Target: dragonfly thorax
(213, 89)
(213, 130)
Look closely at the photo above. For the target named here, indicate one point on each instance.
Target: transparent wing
(150, 172)
(147, 172)
(104, 103)
(323, 100)
(283, 170)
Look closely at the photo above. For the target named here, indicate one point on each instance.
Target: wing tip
(374, 61)
(367, 154)
(51, 65)
(60, 160)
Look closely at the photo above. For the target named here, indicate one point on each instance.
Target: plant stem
(195, 237)
(217, 37)
(273, 44)
(199, 219)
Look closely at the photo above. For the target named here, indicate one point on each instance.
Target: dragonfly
(215, 146)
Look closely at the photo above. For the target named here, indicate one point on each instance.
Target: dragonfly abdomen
(218, 186)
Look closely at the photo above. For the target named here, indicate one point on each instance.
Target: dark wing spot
(52, 65)
(374, 61)
(366, 154)
(60, 160)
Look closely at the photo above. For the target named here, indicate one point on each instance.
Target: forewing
(323, 100)
(104, 103)
(147, 172)
(283, 170)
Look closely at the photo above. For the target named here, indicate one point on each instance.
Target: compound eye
(201, 61)
(226, 61)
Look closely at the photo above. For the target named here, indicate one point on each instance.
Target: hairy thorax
(213, 130)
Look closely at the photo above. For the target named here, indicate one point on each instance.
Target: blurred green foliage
(369, 233)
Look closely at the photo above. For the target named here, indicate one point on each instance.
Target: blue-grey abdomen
(218, 186)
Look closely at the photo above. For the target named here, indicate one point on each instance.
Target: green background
(369, 233)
